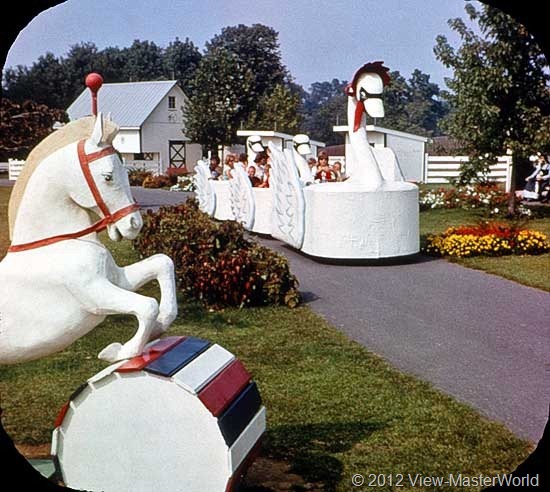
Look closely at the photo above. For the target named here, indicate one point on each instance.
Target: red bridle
(108, 217)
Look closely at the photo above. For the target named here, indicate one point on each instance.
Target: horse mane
(70, 133)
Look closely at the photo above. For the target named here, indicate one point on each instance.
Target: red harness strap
(108, 218)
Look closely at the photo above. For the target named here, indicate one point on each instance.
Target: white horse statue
(58, 281)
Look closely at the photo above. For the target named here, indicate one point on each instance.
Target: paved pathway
(483, 339)
(480, 338)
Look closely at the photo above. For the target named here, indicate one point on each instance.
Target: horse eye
(108, 176)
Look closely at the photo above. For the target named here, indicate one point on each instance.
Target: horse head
(106, 189)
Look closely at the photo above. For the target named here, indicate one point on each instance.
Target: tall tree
(425, 107)
(499, 93)
(181, 60)
(324, 107)
(81, 59)
(222, 100)
(257, 46)
(143, 61)
(278, 110)
(241, 68)
(45, 82)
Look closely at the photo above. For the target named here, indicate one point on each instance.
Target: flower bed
(487, 239)
(214, 261)
(486, 197)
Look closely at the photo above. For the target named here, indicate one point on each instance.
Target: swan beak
(374, 107)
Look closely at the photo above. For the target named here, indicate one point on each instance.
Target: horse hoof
(111, 353)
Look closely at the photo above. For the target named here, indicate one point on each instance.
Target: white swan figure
(300, 148)
(243, 204)
(371, 215)
(204, 190)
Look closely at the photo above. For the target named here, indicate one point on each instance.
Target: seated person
(265, 179)
(260, 162)
(544, 181)
(243, 160)
(312, 163)
(228, 167)
(337, 169)
(215, 169)
(254, 180)
(324, 172)
(534, 181)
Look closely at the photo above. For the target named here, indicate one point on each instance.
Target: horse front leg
(158, 267)
(101, 297)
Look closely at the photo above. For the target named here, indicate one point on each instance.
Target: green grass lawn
(334, 409)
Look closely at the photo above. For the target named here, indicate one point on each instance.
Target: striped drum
(183, 416)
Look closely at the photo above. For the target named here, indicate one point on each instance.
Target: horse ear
(97, 133)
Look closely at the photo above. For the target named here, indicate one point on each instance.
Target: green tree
(238, 73)
(257, 47)
(44, 82)
(180, 61)
(143, 61)
(81, 59)
(499, 93)
(425, 107)
(278, 110)
(222, 100)
(324, 107)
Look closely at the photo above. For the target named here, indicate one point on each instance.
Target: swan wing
(242, 198)
(204, 190)
(388, 164)
(288, 217)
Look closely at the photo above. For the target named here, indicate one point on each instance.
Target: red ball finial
(94, 81)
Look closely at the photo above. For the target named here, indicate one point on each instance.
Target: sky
(319, 39)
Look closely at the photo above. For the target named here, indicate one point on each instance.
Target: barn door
(177, 153)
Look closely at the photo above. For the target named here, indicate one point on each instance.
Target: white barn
(151, 123)
(410, 149)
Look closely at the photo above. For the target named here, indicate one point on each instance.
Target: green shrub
(214, 261)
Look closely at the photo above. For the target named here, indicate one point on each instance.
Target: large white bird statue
(371, 215)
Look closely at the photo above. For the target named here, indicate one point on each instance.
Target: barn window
(171, 102)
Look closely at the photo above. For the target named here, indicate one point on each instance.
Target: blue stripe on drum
(172, 361)
(235, 419)
(199, 372)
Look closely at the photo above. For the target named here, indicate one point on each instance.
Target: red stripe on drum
(225, 387)
(61, 415)
(151, 353)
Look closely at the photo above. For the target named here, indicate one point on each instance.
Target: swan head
(367, 87)
(301, 144)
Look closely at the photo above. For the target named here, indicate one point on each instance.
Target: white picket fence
(438, 169)
(14, 168)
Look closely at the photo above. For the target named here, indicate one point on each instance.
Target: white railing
(150, 166)
(439, 169)
(14, 168)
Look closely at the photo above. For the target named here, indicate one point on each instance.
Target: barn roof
(130, 103)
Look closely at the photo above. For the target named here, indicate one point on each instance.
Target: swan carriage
(373, 214)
